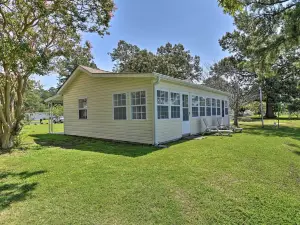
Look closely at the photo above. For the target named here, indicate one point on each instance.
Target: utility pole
(261, 108)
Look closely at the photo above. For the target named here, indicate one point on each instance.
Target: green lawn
(250, 178)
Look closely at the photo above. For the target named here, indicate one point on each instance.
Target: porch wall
(170, 129)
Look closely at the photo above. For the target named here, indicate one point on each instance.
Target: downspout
(155, 83)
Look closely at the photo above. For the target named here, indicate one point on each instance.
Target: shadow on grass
(93, 145)
(269, 130)
(11, 192)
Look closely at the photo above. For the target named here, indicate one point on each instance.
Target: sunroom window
(175, 105)
(195, 106)
(226, 108)
(202, 106)
(214, 107)
(162, 104)
(208, 107)
(218, 107)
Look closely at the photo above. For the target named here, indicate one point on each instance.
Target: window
(202, 106)
(82, 108)
(195, 106)
(175, 105)
(226, 108)
(162, 104)
(120, 106)
(138, 105)
(218, 107)
(214, 105)
(208, 107)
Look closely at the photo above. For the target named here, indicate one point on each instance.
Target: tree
(58, 110)
(33, 101)
(265, 29)
(172, 60)
(34, 35)
(294, 107)
(231, 6)
(228, 75)
(35, 96)
(81, 55)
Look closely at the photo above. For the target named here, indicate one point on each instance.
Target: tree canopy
(34, 35)
(228, 75)
(80, 55)
(265, 29)
(173, 60)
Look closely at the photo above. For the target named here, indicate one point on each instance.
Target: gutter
(155, 83)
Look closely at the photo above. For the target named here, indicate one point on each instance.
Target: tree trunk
(6, 141)
(12, 89)
(235, 120)
(270, 109)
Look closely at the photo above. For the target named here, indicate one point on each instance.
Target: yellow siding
(100, 122)
(171, 129)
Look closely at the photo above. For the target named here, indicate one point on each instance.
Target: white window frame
(83, 98)
(213, 107)
(168, 104)
(113, 106)
(197, 106)
(226, 104)
(219, 107)
(131, 111)
(203, 106)
(172, 105)
(206, 106)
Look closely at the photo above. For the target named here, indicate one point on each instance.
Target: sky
(197, 24)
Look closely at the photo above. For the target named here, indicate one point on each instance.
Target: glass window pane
(185, 114)
(162, 97)
(82, 103)
(202, 101)
(208, 111)
(185, 101)
(214, 111)
(195, 111)
(163, 112)
(175, 112)
(195, 101)
(82, 114)
(213, 102)
(175, 98)
(208, 102)
(120, 113)
(202, 111)
(226, 111)
(119, 99)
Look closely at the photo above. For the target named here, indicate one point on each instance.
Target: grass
(250, 178)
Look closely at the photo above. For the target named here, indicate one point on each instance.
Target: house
(37, 115)
(147, 108)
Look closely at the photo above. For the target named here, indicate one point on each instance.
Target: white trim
(78, 108)
(113, 105)
(207, 106)
(195, 95)
(130, 106)
(168, 105)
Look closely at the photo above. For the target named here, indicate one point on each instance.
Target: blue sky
(197, 24)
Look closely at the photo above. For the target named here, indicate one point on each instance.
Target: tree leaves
(172, 60)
